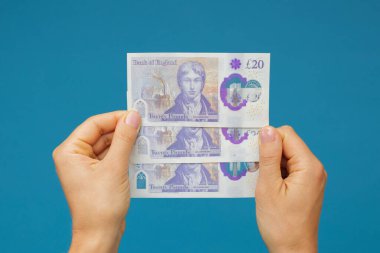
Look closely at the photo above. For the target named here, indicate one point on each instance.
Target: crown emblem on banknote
(235, 64)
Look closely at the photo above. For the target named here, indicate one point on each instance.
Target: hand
(92, 165)
(289, 192)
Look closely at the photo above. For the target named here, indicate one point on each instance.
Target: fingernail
(133, 119)
(267, 134)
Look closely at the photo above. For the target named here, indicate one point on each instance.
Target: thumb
(124, 139)
(270, 156)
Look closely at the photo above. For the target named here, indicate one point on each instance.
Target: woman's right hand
(289, 192)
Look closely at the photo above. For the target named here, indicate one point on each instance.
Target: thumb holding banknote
(289, 192)
(92, 165)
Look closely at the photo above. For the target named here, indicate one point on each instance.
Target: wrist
(303, 247)
(96, 241)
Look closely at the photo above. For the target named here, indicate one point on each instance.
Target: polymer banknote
(193, 180)
(199, 89)
(174, 144)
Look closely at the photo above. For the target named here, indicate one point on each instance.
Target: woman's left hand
(92, 165)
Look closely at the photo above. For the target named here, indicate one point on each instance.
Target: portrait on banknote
(190, 102)
(175, 88)
(196, 141)
(176, 177)
(191, 176)
(164, 142)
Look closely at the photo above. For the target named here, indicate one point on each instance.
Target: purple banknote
(173, 144)
(199, 89)
(237, 179)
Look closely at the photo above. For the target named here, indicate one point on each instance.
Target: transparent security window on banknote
(186, 89)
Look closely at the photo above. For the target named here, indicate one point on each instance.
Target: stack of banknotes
(201, 116)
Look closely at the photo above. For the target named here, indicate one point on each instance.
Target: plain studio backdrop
(63, 61)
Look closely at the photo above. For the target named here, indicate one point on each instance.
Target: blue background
(63, 61)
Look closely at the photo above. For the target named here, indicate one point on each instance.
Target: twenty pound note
(200, 89)
(173, 144)
(193, 180)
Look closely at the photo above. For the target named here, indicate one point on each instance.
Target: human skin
(92, 165)
(289, 192)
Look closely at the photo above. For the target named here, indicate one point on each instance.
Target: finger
(123, 139)
(299, 157)
(94, 127)
(270, 156)
(103, 154)
(103, 143)
(293, 145)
